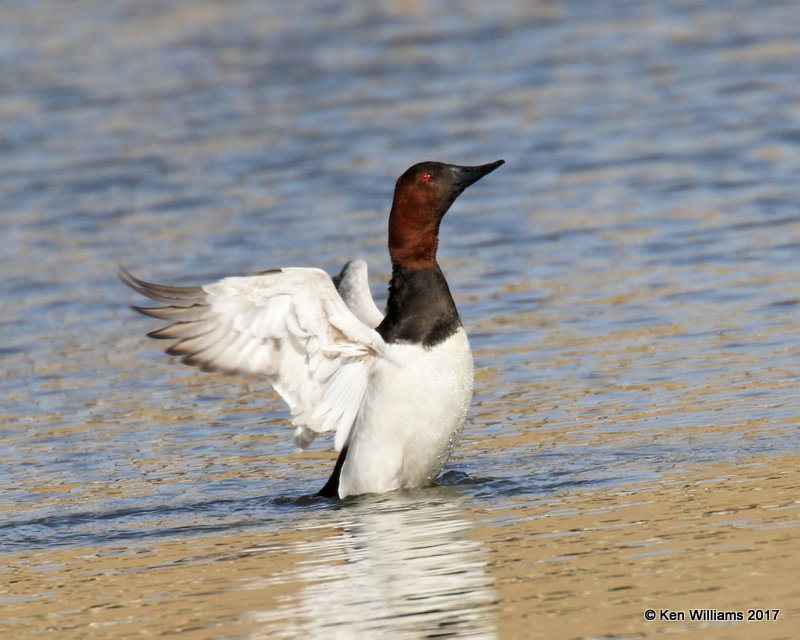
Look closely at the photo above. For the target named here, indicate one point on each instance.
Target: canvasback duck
(394, 388)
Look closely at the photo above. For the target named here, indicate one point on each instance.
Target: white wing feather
(353, 286)
(290, 326)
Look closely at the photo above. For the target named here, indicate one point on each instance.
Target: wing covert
(352, 283)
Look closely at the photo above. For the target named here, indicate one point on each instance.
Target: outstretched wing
(352, 283)
(288, 325)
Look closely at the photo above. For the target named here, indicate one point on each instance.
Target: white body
(412, 413)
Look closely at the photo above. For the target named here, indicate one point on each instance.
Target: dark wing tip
(126, 277)
(337, 279)
(176, 296)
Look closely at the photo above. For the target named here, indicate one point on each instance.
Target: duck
(394, 388)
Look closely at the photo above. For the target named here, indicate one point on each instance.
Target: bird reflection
(398, 565)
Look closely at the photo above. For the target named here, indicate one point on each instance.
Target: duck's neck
(420, 309)
(413, 248)
(413, 232)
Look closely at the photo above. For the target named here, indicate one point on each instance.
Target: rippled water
(629, 281)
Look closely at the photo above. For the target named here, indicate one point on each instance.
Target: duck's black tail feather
(331, 488)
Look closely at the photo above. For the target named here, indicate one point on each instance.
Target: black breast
(420, 309)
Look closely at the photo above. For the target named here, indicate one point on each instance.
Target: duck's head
(422, 196)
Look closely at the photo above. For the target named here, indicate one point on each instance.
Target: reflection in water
(582, 564)
(400, 566)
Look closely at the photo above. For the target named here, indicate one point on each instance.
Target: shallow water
(628, 279)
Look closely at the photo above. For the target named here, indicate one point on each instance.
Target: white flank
(413, 411)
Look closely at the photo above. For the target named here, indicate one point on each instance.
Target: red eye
(425, 177)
